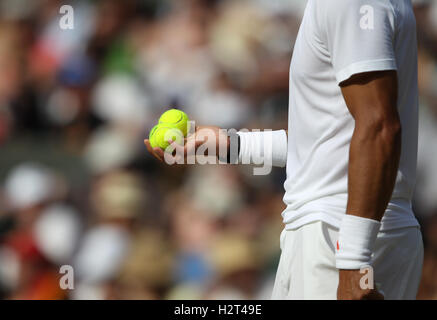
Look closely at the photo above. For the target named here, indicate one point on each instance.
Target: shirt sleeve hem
(365, 66)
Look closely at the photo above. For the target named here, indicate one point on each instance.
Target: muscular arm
(376, 143)
(373, 159)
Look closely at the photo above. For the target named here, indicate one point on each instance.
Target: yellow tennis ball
(152, 137)
(175, 118)
(161, 134)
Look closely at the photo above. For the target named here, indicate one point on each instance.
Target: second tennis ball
(152, 137)
(161, 134)
(175, 118)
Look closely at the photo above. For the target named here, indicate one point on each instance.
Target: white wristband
(356, 238)
(266, 147)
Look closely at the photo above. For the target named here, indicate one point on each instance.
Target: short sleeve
(359, 36)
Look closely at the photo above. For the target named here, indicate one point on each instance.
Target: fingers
(156, 152)
(359, 294)
(374, 295)
(180, 151)
(160, 153)
(179, 148)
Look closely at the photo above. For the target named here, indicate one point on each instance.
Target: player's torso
(317, 111)
(320, 124)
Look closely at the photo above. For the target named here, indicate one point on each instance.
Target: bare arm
(376, 143)
(373, 159)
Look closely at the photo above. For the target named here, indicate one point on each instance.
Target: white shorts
(307, 265)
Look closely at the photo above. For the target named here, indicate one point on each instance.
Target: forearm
(373, 166)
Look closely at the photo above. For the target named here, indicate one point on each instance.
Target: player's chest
(310, 57)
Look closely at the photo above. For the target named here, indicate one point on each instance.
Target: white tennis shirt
(337, 39)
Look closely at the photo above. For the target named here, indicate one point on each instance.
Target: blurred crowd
(77, 186)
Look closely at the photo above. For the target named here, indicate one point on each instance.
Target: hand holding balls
(160, 136)
(173, 125)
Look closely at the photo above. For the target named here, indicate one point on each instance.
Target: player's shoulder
(337, 7)
(350, 11)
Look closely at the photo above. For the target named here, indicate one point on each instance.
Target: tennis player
(350, 154)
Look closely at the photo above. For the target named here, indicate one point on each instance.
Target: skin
(193, 141)
(373, 160)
